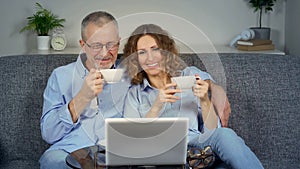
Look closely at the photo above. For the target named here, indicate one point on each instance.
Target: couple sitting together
(77, 100)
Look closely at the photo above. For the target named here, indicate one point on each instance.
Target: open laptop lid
(146, 141)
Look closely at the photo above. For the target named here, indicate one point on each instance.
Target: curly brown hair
(167, 47)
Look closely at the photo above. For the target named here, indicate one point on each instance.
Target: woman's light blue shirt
(141, 97)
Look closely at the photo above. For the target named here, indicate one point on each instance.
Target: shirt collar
(80, 68)
(146, 84)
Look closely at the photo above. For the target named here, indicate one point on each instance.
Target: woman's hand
(165, 95)
(200, 89)
(168, 94)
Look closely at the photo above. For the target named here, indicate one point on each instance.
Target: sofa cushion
(20, 164)
(263, 91)
(264, 95)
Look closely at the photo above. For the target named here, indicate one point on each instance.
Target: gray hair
(98, 18)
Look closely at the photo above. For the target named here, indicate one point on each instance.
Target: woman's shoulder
(192, 70)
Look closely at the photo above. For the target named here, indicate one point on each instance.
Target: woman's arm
(209, 115)
(218, 96)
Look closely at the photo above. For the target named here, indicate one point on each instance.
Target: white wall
(192, 22)
(293, 28)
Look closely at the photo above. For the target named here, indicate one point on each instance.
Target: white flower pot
(43, 42)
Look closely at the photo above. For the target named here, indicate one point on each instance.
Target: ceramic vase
(43, 42)
(262, 33)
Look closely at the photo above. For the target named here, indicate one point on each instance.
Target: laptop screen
(146, 141)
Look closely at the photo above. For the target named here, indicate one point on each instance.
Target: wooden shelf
(215, 49)
(71, 50)
(228, 49)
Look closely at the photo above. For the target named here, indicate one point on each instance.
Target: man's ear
(81, 43)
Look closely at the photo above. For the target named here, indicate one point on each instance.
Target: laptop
(146, 141)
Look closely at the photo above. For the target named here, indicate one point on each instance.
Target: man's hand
(221, 103)
(92, 86)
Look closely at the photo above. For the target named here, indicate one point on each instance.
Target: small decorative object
(260, 5)
(43, 42)
(200, 158)
(59, 40)
(42, 22)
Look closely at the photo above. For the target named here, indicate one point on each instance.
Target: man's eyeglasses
(97, 47)
(200, 158)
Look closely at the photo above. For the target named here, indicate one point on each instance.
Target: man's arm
(56, 120)
(61, 115)
(220, 102)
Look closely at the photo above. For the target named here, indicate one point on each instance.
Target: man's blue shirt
(57, 126)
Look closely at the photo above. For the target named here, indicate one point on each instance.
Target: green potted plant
(42, 22)
(260, 6)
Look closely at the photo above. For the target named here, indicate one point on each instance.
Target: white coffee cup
(184, 82)
(112, 75)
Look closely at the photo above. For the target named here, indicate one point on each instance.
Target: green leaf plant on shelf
(42, 22)
(260, 6)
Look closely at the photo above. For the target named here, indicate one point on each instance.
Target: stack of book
(255, 44)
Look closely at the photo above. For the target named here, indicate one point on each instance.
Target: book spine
(256, 48)
(254, 42)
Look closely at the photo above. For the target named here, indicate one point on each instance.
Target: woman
(151, 59)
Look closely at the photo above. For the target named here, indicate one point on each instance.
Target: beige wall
(293, 28)
(192, 22)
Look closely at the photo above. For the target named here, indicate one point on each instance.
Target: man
(77, 100)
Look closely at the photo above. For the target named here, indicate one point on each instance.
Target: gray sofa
(263, 91)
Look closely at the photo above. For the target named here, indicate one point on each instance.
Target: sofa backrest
(263, 91)
(22, 83)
